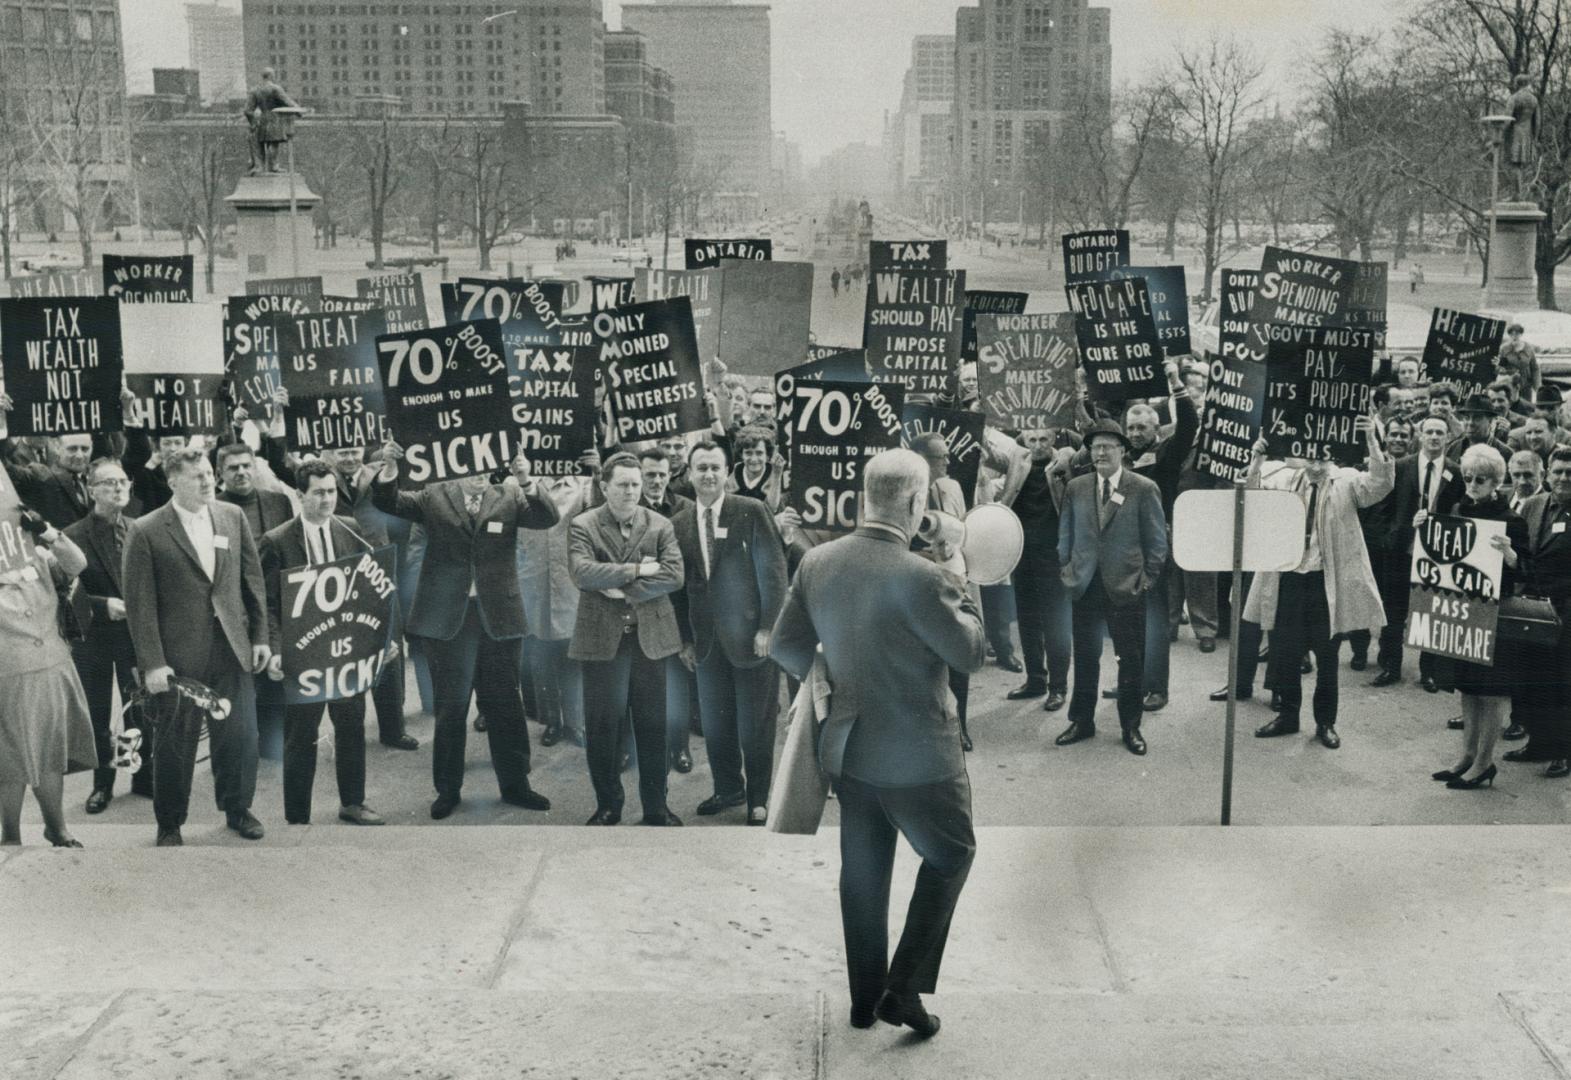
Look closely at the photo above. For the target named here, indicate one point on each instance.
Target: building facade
(635, 89)
(718, 55)
(452, 58)
(920, 136)
(217, 49)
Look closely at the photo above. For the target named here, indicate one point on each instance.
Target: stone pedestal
(268, 242)
(1513, 284)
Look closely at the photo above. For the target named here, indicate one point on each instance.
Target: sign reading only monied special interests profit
(330, 369)
(1088, 256)
(63, 365)
(1119, 347)
(835, 428)
(649, 354)
(1236, 388)
(447, 401)
(1026, 370)
(148, 279)
(1454, 602)
(337, 619)
(915, 323)
(1461, 350)
(1318, 389)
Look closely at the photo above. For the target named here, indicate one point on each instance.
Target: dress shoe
(1242, 695)
(1110, 695)
(98, 801)
(56, 840)
(1558, 768)
(1358, 663)
(965, 742)
(1135, 742)
(1455, 724)
(528, 798)
(1028, 689)
(1327, 735)
(1154, 702)
(402, 742)
(1009, 663)
(1514, 733)
(1521, 753)
(1208, 644)
(360, 815)
(682, 761)
(717, 803)
(1483, 779)
(667, 820)
(758, 815)
(443, 806)
(551, 735)
(605, 817)
(245, 823)
(1280, 725)
(480, 724)
(1452, 774)
(1075, 733)
(1055, 701)
(863, 1018)
(1429, 684)
(170, 838)
(1386, 678)
(907, 1010)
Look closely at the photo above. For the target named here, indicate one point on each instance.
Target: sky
(838, 65)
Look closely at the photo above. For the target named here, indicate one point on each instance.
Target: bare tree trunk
(1544, 258)
(1170, 236)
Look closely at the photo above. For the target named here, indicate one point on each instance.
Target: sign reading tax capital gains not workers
(1461, 350)
(337, 619)
(914, 325)
(649, 354)
(329, 367)
(447, 401)
(835, 428)
(62, 364)
(1025, 373)
(1089, 256)
(1318, 389)
(553, 389)
(1116, 332)
(148, 279)
(1454, 602)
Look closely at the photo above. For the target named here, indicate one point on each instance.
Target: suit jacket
(891, 624)
(52, 491)
(273, 507)
(101, 576)
(1130, 552)
(746, 583)
(601, 558)
(1549, 568)
(149, 484)
(170, 603)
(463, 552)
(1391, 519)
(284, 548)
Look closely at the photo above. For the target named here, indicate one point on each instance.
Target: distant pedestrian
(834, 281)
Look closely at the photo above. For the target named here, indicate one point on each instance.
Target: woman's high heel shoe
(1452, 774)
(1483, 778)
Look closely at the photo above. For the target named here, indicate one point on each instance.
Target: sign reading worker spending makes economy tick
(1089, 256)
(1454, 597)
(400, 296)
(961, 430)
(329, 367)
(835, 429)
(1025, 372)
(908, 255)
(915, 323)
(649, 354)
(1318, 390)
(1461, 350)
(1116, 332)
(337, 625)
(148, 279)
(1301, 289)
(1236, 384)
(63, 365)
(251, 346)
(1169, 304)
(700, 254)
(448, 403)
(986, 302)
(553, 389)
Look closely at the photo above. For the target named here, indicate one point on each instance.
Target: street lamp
(1494, 125)
(291, 115)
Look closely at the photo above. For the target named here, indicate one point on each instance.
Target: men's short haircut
(235, 449)
(732, 382)
(1399, 422)
(1143, 412)
(621, 460)
(1526, 457)
(1516, 326)
(890, 479)
(310, 470)
(752, 436)
(653, 453)
(1505, 386)
(181, 460)
(1560, 455)
(1484, 458)
(98, 463)
(707, 444)
(1382, 394)
(1418, 425)
(1442, 390)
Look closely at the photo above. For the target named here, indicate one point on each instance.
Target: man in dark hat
(1545, 418)
(1519, 361)
(1478, 415)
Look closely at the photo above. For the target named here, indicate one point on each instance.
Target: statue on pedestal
(1522, 135)
(269, 131)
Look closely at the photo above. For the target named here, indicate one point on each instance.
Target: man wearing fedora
(1478, 415)
(1112, 545)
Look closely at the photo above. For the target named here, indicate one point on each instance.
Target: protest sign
(303, 288)
(1305, 290)
(1169, 304)
(1025, 373)
(766, 314)
(649, 354)
(347, 305)
(1318, 388)
(1367, 308)
(401, 298)
(553, 389)
(1461, 350)
(530, 312)
(1236, 384)
(447, 401)
(986, 302)
(835, 428)
(18, 549)
(55, 283)
(816, 351)
(63, 367)
(1454, 602)
(329, 367)
(914, 324)
(1089, 256)
(337, 624)
(840, 366)
(961, 431)
(705, 289)
(700, 254)
(148, 279)
(251, 346)
(609, 292)
(174, 364)
(907, 255)
(1116, 332)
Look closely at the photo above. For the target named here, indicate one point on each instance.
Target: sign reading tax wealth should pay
(915, 324)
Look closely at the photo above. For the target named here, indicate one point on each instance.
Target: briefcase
(1528, 620)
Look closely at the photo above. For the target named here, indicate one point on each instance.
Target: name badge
(1558, 527)
(720, 534)
(1145, 459)
(1116, 499)
(1447, 474)
(493, 526)
(221, 542)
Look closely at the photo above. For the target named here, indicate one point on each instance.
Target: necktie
(1429, 484)
(709, 538)
(1107, 491)
(1309, 520)
(472, 504)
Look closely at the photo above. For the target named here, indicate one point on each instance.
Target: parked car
(50, 260)
(630, 256)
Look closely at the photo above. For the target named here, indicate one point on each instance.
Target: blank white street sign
(1203, 530)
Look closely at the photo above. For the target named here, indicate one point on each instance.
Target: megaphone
(987, 543)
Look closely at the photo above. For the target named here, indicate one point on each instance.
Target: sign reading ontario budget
(1025, 373)
(1089, 256)
(1461, 350)
(1236, 388)
(148, 279)
(835, 429)
(1318, 389)
(447, 401)
(1454, 602)
(1119, 347)
(704, 253)
(908, 255)
(650, 355)
(329, 365)
(337, 618)
(62, 364)
(914, 327)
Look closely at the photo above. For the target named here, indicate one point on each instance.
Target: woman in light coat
(551, 611)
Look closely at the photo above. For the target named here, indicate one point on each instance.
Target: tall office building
(1019, 64)
(920, 134)
(718, 57)
(635, 89)
(217, 50)
(458, 57)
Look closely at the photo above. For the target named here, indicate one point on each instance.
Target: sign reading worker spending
(148, 279)
(1089, 256)
(1306, 290)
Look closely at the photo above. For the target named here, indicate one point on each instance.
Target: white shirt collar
(188, 518)
(1116, 479)
(718, 503)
